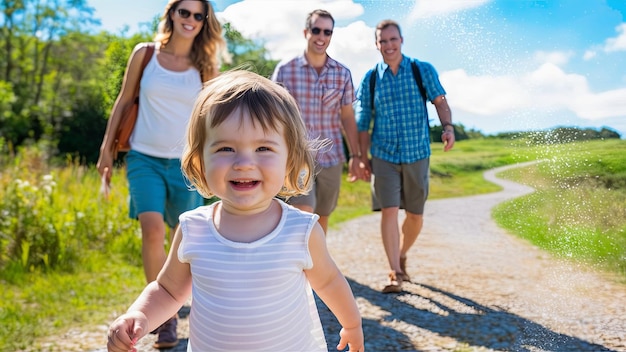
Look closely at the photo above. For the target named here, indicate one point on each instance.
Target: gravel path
(475, 288)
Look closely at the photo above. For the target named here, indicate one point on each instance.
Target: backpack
(416, 75)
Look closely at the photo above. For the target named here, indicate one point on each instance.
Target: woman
(187, 47)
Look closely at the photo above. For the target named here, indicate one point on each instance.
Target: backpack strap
(418, 79)
(417, 75)
(373, 86)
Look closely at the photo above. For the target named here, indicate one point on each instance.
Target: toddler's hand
(353, 338)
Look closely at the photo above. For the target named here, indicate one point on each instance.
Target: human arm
(445, 117)
(364, 116)
(364, 144)
(348, 123)
(159, 301)
(124, 100)
(333, 289)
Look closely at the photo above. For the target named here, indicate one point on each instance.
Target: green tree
(459, 133)
(247, 53)
(33, 64)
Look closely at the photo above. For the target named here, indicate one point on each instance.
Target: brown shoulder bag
(129, 115)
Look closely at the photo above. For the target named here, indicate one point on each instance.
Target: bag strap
(146, 58)
(417, 75)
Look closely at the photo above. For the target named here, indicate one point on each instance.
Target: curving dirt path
(476, 288)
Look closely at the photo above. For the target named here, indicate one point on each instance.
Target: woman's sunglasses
(184, 13)
(317, 30)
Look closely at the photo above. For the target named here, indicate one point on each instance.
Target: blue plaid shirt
(399, 133)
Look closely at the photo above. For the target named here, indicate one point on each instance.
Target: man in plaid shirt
(324, 92)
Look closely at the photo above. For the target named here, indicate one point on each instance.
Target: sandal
(395, 283)
(167, 335)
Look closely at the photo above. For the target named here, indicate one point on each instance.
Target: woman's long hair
(208, 46)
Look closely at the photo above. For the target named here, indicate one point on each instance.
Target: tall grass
(53, 218)
(67, 256)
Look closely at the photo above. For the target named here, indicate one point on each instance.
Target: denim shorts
(158, 185)
(400, 185)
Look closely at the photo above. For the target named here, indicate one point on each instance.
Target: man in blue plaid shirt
(395, 132)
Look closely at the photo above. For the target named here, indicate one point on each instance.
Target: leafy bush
(53, 217)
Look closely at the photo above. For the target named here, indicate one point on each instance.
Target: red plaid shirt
(320, 98)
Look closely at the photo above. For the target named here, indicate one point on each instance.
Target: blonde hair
(208, 46)
(269, 105)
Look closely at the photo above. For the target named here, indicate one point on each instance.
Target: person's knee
(413, 219)
(390, 211)
(152, 226)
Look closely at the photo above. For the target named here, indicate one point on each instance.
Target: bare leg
(153, 243)
(411, 229)
(391, 237)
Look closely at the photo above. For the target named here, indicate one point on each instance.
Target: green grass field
(578, 211)
(69, 258)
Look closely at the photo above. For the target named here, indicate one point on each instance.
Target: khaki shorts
(400, 185)
(325, 192)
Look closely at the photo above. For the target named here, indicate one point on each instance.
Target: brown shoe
(405, 276)
(395, 283)
(167, 335)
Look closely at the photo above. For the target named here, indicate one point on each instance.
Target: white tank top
(166, 100)
(251, 296)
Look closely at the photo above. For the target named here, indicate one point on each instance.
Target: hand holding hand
(356, 169)
(366, 169)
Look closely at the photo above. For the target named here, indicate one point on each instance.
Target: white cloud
(547, 89)
(618, 43)
(431, 8)
(589, 54)
(601, 105)
(483, 95)
(558, 58)
(354, 46)
(282, 31)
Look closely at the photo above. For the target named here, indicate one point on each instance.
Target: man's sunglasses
(317, 30)
(184, 13)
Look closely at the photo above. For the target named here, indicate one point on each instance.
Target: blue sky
(507, 65)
